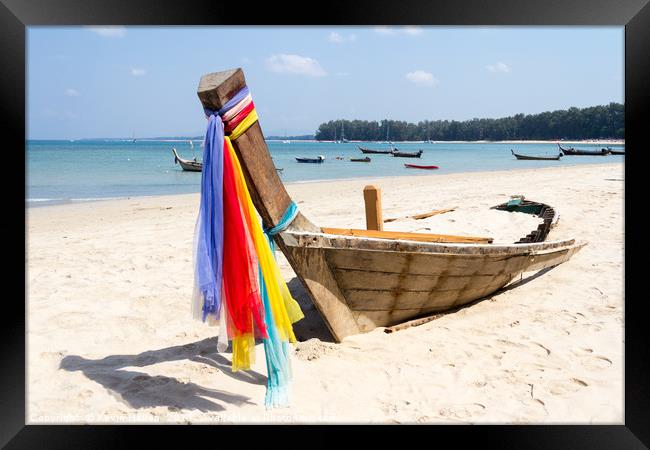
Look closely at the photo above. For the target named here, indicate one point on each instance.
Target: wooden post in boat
(271, 201)
(372, 199)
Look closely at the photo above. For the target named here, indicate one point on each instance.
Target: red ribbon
(232, 124)
(239, 265)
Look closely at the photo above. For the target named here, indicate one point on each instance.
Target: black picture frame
(16, 15)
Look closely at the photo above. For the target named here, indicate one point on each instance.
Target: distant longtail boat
(573, 151)
(545, 158)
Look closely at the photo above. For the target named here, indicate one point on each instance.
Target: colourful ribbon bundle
(237, 282)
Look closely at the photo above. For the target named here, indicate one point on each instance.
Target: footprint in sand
(592, 327)
(582, 351)
(596, 362)
(562, 387)
(548, 352)
(579, 381)
(463, 411)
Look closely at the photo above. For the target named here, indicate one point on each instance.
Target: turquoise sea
(86, 170)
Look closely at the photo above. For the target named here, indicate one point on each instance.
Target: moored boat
(371, 151)
(545, 158)
(362, 279)
(417, 166)
(366, 159)
(400, 154)
(318, 159)
(186, 164)
(572, 151)
(615, 152)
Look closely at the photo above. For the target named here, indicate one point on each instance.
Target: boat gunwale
(340, 242)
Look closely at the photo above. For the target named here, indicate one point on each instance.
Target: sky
(110, 82)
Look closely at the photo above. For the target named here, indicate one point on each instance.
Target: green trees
(595, 122)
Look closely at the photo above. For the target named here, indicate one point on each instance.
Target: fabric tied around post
(237, 281)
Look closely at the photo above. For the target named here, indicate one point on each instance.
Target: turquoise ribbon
(276, 351)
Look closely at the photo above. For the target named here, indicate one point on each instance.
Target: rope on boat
(237, 281)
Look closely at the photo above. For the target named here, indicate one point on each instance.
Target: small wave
(43, 199)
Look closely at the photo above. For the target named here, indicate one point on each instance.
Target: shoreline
(39, 203)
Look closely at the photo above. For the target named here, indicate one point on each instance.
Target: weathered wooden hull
(365, 283)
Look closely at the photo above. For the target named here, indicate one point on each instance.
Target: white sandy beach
(110, 338)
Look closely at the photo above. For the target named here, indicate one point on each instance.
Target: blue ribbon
(209, 259)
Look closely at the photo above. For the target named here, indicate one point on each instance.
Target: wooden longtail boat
(319, 159)
(545, 158)
(573, 151)
(417, 166)
(377, 152)
(360, 279)
(366, 159)
(399, 154)
(186, 164)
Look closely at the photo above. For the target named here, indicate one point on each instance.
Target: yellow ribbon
(244, 125)
(285, 308)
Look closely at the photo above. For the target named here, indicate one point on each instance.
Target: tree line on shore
(595, 122)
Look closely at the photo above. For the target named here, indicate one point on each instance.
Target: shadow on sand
(312, 325)
(140, 390)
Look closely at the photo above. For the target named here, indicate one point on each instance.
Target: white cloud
(72, 92)
(339, 39)
(384, 30)
(295, 64)
(389, 31)
(138, 72)
(421, 77)
(413, 31)
(335, 37)
(110, 32)
(498, 67)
